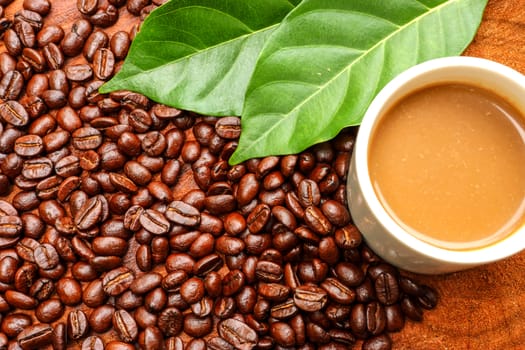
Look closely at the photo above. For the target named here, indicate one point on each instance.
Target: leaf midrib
(381, 42)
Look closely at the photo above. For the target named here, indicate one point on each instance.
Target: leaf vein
(380, 42)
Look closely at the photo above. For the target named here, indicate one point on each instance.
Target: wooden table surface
(483, 308)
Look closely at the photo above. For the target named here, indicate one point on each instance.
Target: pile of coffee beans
(123, 226)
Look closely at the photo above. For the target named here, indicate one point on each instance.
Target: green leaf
(321, 68)
(199, 54)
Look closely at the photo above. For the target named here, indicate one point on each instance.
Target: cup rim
(492, 252)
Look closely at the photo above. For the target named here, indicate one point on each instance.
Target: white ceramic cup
(387, 238)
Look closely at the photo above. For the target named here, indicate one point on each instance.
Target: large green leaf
(321, 68)
(199, 54)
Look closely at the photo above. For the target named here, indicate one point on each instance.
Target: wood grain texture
(483, 308)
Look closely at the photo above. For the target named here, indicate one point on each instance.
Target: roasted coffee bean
(119, 44)
(8, 267)
(310, 298)
(151, 338)
(109, 246)
(46, 256)
(10, 226)
(129, 301)
(11, 85)
(104, 17)
(317, 221)
(49, 310)
(36, 336)
(12, 112)
(228, 127)
(197, 326)
(87, 7)
(285, 310)
(427, 297)
(380, 342)
(103, 63)
(93, 212)
(170, 321)
(203, 307)
(349, 274)
(395, 319)
(49, 34)
(258, 218)
(92, 343)
(237, 333)
(29, 146)
(283, 334)
(192, 290)
(387, 289)
(42, 7)
(274, 292)
(135, 6)
(54, 98)
(268, 271)
(217, 343)
(336, 213)
(183, 214)
(118, 345)
(69, 291)
(14, 323)
(125, 326)
(154, 221)
(117, 281)
(20, 300)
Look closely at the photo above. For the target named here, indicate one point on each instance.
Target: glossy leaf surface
(321, 68)
(199, 54)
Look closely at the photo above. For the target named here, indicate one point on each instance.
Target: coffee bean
(427, 297)
(119, 44)
(387, 288)
(395, 319)
(154, 221)
(170, 321)
(87, 7)
(10, 226)
(258, 218)
(12, 112)
(104, 17)
(92, 343)
(109, 246)
(380, 342)
(20, 300)
(117, 281)
(69, 291)
(317, 221)
(49, 34)
(86, 138)
(237, 333)
(14, 323)
(46, 256)
(125, 326)
(183, 214)
(11, 85)
(336, 213)
(283, 334)
(310, 298)
(103, 63)
(197, 326)
(217, 343)
(228, 127)
(49, 310)
(35, 337)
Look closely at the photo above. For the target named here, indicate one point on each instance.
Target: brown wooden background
(483, 308)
